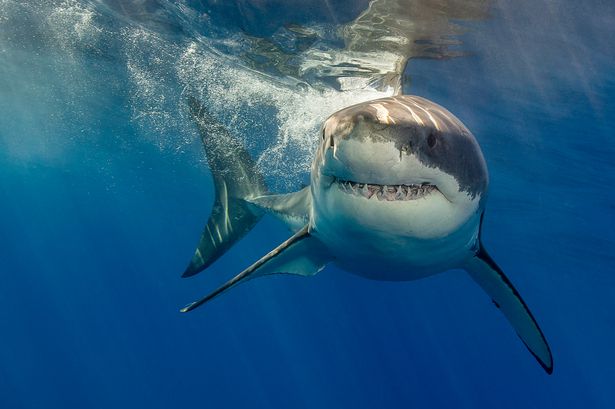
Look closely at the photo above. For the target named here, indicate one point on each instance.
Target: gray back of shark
(398, 189)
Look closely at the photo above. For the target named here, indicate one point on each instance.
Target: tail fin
(235, 179)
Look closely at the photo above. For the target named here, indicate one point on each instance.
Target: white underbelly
(389, 255)
(398, 258)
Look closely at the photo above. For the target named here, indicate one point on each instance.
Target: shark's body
(397, 192)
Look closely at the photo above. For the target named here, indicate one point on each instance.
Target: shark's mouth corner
(388, 193)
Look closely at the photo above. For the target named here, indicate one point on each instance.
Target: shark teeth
(386, 192)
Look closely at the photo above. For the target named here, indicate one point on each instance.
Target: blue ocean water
(104, 191)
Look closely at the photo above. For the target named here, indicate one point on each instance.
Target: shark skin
(398, 191)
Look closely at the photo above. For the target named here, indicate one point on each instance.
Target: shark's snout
(375, 137)
(378, 153)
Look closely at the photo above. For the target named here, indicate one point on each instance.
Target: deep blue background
(97, 223)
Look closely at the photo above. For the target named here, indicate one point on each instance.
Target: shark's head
(402, 165)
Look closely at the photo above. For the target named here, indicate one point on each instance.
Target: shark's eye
(323, 134)
(431, 140)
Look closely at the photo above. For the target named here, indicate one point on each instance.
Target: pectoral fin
(490, 277)
(301, 254)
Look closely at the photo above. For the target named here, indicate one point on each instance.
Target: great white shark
(398, 191)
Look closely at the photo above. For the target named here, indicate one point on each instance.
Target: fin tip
(548, 365)
(187, 308)
(193, 269)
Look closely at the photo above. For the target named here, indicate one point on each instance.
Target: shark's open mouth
(386, 192)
